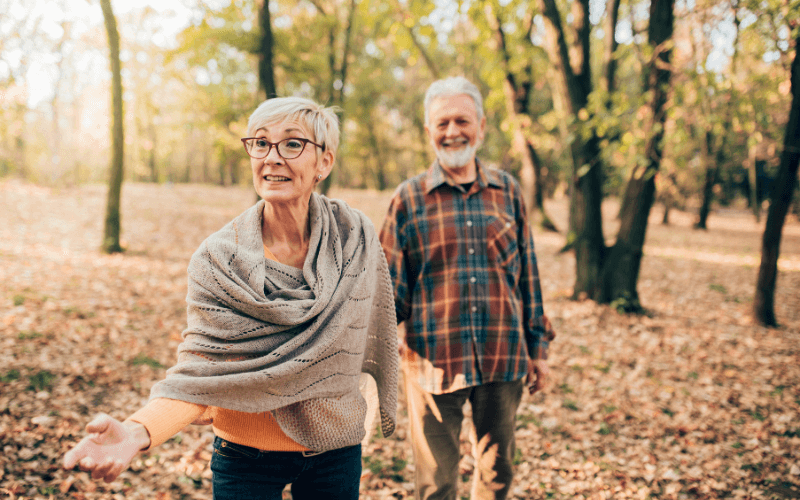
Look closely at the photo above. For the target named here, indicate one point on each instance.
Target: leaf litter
(688, 401)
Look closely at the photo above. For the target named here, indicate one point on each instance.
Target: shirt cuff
(163, 418)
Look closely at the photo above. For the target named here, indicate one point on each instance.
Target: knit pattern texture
(264, 336)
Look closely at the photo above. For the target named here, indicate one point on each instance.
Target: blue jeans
(245, 473)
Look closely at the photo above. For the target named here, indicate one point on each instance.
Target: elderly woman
(288, 305)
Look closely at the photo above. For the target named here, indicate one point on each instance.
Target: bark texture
(764, 301)
(111, 233)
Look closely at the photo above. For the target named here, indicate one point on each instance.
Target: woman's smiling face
(281, 181)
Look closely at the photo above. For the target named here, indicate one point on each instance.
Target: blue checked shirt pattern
(466, 281)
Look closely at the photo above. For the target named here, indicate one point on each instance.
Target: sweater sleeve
(163, 418)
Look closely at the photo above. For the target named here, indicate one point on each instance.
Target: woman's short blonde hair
(321, 122)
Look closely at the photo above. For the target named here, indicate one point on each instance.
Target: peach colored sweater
(163, 418)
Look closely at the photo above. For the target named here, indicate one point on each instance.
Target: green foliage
(19, 300)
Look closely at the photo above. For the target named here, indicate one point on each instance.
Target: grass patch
(524, 420)
(604, 368)
(756, 414)
(75, 311)
(10, 376)
(518, 457)
(777, 391)
(18, 300)
(717, 288)
(142, 359)
(41, 381)
(569, 405)
(30, 335)
(385, 470)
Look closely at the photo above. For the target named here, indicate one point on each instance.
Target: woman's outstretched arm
(111, 444)
(109, 447)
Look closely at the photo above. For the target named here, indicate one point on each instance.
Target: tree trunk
(764, 301)
(610, 62)
(621, 269)
(518, 95)
(712, 167)
(586, 222)
(381, 182)
(575, 84)
(111, 236)
(266, 70)
(151, 159)
(339, 76)
(517, 90)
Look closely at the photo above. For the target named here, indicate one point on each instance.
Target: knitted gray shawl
(263, 336)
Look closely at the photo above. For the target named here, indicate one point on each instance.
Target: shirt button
(469, 223)
(474, 309)
(471, 251)
(508, 224)
(473, 279)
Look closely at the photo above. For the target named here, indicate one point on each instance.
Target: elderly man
(461, 257)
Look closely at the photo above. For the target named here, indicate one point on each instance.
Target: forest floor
(689, 400)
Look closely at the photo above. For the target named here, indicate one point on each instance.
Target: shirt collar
(436, 176)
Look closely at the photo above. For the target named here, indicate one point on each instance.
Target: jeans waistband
(224, 443)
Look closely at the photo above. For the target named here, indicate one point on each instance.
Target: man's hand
(538, 372)
(109, 447)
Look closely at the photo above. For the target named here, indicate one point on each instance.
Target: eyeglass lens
(288, 148)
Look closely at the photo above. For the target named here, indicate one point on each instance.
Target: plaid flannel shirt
(465, 278)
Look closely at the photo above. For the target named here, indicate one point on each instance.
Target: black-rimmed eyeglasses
(288, 149)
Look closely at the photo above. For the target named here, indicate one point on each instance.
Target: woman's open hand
(109, 447)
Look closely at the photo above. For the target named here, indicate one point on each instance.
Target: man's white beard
(459, 158)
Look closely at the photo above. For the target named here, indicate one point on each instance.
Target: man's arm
(538, 329)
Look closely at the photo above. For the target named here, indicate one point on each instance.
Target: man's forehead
(453, 104)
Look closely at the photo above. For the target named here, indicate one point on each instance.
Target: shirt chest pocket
(502, 243)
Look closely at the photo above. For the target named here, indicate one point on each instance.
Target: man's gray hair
(321, 122)
(454, 85)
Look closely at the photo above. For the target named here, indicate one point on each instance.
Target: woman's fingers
(115, 471)
(79, 454)
(99, 472)
(99, 424)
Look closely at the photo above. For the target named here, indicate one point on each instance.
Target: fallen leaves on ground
(687, 401)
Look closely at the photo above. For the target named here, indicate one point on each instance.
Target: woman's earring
(319, 176)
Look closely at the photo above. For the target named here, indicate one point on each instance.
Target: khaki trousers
(435, 423)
